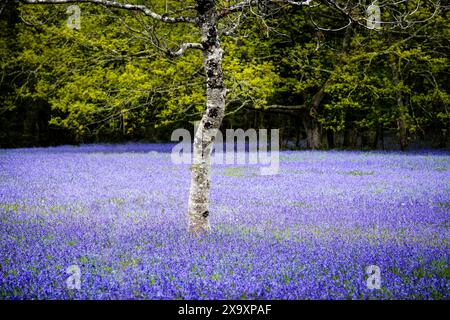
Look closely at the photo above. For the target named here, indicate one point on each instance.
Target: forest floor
(118, 213)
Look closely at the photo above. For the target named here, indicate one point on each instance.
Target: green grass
(360, 173)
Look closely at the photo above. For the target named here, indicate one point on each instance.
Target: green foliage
(111, 79)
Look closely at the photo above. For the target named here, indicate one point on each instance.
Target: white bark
(198, 206)
(116, 4)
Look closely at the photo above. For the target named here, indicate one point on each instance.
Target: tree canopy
(117, 79)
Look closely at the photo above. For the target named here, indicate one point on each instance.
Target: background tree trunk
(312, 126)
(198, 206)
(313, 133)
(402, 120)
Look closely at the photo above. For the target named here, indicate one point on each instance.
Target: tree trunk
(330, 139)
(198, 206)
(376, 138)
(312, 126)
(313, 133)
(402, 120)
(350, 137)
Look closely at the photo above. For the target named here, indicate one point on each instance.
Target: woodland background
(112, 80)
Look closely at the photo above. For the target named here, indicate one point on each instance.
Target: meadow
(119, 213)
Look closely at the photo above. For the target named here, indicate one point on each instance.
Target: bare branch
(115, 4)
(295, 3)
(350, 10)
(184, 47)
(240, 6)
(237, 7)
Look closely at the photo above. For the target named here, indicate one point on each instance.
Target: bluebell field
(119, 213)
